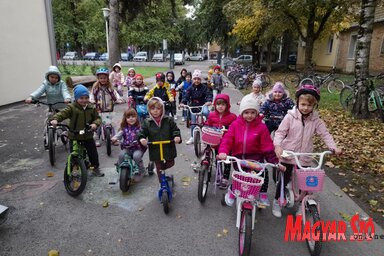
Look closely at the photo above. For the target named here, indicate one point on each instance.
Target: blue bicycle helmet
(104, 71)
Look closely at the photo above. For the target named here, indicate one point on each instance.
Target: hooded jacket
(248, 141)
(274, 111)
(217, 120)
(295, 133)
(104, 97)
(55, 92)
(166, 130)
(197, 95)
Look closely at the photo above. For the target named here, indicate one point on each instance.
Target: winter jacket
(136, 91)
(296, 133)
(197, 95)
(79, 117)
(116, 78)
(274, 111)
(161, 92)
(104, 97)
(217, 120)
(183, 86)
(129, 81)
(172, 83)
(217, 80)
(55, 92)
(127, 136)
(248, 141)
(166, 130)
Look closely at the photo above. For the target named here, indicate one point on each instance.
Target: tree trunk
(113, 37)
(254, 53)
(309, 42)
(286, 45)
(269, 57)
(363, 46)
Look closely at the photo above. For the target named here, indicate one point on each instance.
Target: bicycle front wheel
(125, 179)
(245, 232)
(197, 143)
(346, 98)
(108, 132)
(335, 86)
(292, 80)
(165, 201)
(75, 176)
(202, 188)
(266, 81)
(51, 146)
(314, 245)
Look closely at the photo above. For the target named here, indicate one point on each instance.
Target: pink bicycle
(246, 187)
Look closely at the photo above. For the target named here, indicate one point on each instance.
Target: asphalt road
(44, 217)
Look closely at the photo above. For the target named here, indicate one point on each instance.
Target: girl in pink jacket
(295, 133)
(248, 138)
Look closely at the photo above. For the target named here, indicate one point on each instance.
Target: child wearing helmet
(130, 77)
(161, 90)
(217, 81)
(117, 78)
(276, 106)
(296, 132)
(104, 97)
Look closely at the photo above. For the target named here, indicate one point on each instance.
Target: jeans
(193, 117)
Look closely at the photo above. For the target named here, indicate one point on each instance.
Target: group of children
(248, 135)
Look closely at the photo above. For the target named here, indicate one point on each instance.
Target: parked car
(243, 59)
(179, 58)
(91, 56)
(71, 56)
(141, 56)
(157, 57)
(197, 57)
(126, 56)
(104, 56)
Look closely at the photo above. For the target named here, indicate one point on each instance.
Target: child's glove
(143, 142)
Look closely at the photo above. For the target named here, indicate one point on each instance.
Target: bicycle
(333, 85)
(140, 106)
(75, 172)
(199, 123)
(246, 187)
(127, 169)
(292, 80)
(51, 135)
(106, 130)
(165, 191)
(309, 180)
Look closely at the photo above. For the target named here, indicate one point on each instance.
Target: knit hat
(248, 103)
(80, 90)
(257, 83)
(217, 67)
(278, 87)
(197, 74)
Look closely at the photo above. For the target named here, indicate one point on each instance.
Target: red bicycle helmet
(160, 77)
(308, 89)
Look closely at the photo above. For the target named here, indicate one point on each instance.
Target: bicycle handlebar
(287, 153)
(190, 108)
(47, 104)
(80, 132)
(160, 142)
(254, 165)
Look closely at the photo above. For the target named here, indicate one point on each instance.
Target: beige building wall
(24, 48)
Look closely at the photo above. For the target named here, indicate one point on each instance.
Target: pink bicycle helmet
(308, 89)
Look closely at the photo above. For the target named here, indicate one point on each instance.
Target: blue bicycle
(165, 191)
(127, 169)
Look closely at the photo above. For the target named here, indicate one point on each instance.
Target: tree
(363, 46)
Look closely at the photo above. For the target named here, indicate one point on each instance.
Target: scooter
(3, 213)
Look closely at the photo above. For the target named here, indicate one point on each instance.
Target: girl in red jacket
(222, 116)
(248, 138)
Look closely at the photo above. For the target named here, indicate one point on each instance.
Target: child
(248, 138)
(159, 127)
(182, 88)
(103, 96)
(130, 77)
(222, 116)
(138, 89)
(129, 128)
(161, 91)
(256, 92)
(117, 78)
(80, 114)
(54, 88)
(172, 87)
(182, 78)
(276, 106)
(197, 95)
(296, 132)
(217, 81)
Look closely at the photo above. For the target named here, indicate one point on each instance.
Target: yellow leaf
(53, 253)
(105, 204)
(185, 184)
(50, 174)
(219, 235)
(341, 174)
(225, 231)
(329, 164)
(345, 190)
(345, 216)
(186, 179)
(7, 186)
(373, 202)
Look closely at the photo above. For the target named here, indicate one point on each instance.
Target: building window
(330, 44)
(382, 47)
(352, 47)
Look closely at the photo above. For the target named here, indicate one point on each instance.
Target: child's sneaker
(97, 172)
(276, 209)
(183, 119)
(175, 117)
(229, 198)
(97, 142)
(190, 141)
(223, 184)
(263, 199)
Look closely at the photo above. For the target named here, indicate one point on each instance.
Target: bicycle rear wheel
(165, 201)
(75, 176)
(245, 232)
(51, 146)
(266, 81)
(292, 80)
(197, 143)
(202, 188)
(108, 132)
(347, 98)
(314, 246)
(125, 179)
(335, 86)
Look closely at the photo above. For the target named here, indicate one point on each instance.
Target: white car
(141, 56)
(243, 59)
(157, 57)
(71, 56)
(197, 57)
(179, 58)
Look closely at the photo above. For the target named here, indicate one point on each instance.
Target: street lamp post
(106, 12)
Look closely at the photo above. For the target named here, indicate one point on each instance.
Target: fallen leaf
(219, 235)
(7, 186)
(372, 202)
(372, 188)
(141, 209)
(345, 216)
(53, 253)
(186, 179)
(185, 183)
(119, 240)
(380, 210)
(351, 195)
(329, 164)
(341, 174)
(89, 250)
(179, 216)
(50, 174)
(337, 194)
(225, 231)
(105, 204)
(345, 189)
(41, 203)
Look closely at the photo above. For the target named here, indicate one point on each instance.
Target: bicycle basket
(141, 110)
(246, 185)
(310, 179)
(211, 136)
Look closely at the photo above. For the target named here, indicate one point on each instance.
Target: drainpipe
(51, 31)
